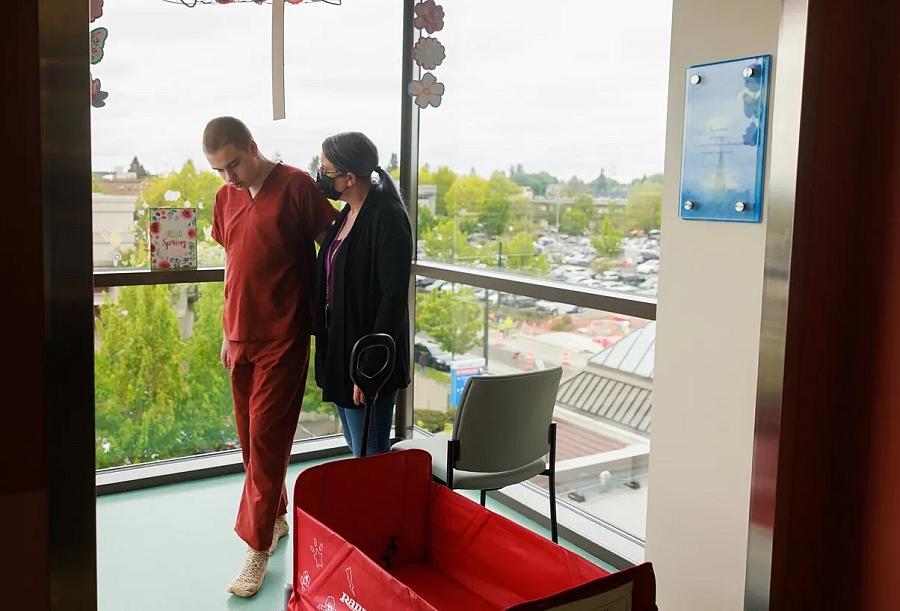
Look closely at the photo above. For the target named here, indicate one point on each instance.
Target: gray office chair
(502, 432)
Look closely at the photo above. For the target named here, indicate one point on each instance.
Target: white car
(648, 267)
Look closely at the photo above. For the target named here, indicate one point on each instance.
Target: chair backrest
(503, 420)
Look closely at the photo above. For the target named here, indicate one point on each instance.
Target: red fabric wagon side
(378, 533)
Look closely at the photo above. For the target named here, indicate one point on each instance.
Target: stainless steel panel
(781, 188)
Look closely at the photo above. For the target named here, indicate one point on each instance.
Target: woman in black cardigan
(363, 282)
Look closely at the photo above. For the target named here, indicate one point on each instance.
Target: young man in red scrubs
(267, 216)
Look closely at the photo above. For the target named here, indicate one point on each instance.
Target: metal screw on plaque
(695, 79)
(688, 205)
(748, 72)
(740, 207)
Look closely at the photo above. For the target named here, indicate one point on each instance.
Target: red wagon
(377, 533)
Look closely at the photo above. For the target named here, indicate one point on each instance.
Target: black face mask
(325, 183)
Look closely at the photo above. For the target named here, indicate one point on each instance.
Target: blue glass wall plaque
(723, 161)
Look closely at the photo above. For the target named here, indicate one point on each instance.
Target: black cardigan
(370, 282)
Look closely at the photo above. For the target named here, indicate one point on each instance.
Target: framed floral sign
(173, 238)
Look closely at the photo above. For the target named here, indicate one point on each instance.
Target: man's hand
(223, 354)
(358, 397)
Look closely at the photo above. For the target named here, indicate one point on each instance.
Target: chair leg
(554, 529)
(483, 497)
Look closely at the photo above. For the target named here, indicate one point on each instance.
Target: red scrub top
(270, 271)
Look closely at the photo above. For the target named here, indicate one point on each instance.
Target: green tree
(467, 195)
(495, 213)
(313, 166)
(605, 186)
(644, 206)
(609, 239)
(445, 242)
(137, 168)
(443, 180)
(207, 416)
(585, 203)
(572, 187)
(139, 380)
(538, 183)
(452, 319)
(519, 254)
(426, 220)
(573, 221)
(394, 163)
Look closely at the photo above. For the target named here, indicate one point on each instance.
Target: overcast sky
(567, 86)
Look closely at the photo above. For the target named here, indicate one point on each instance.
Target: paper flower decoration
(429, 53)
(98, 97)
(98, 41)
(426, 91)
(96, 10)
(429, 17)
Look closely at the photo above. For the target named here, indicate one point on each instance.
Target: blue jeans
(353, 420)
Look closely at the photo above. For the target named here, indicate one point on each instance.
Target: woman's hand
(358, 397)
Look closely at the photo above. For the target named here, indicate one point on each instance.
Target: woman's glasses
(330, 173)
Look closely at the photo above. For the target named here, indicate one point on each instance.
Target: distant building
(112, 217)
(122, 182)
(617, 385)
(428, 197)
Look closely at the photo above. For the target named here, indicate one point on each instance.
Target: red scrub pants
(267, 380)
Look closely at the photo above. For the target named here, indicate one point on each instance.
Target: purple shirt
(329, 266)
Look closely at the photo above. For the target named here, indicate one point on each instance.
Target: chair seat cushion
(469, 480)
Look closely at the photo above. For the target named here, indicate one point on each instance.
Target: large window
(545, 156)
(160, 389)
(603, 409)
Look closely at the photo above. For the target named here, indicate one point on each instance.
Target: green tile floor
(172, 548)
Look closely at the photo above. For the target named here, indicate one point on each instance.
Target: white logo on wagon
(351, 604)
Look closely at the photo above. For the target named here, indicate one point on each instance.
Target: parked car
(517, 301)
(438, 285)
(648, 267)
(423, 282)
(434, 357)
(555, 309)
(492, 296)
(609, 276)
(631, 279)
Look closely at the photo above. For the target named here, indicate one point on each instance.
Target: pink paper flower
(98, 97)
(152, 247)
(427, 91)
(154, 228)
(429, 53)
(164, 264)
(96, 10)
(192, 233)
(186, 213)
(429, 17)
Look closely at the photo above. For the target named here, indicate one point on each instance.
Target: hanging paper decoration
(427, 91)
(98, 40)
(429, 17)
(278, 102)
(98, 97)
(96, 10)
(428, 53)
